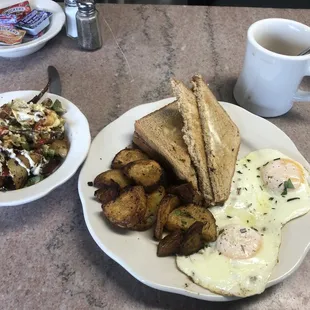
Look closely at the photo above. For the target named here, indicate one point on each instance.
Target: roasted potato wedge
(126, 156)
(107, 193)
(145, 172)
(186, 193)
(170, 245)
(60, 147)
(128, 209)
(152, 204)
(19, 174)
(192, 240)
(111, 176)
(167, 205)
(185, 216)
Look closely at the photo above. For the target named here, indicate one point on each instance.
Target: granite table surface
(48, 259)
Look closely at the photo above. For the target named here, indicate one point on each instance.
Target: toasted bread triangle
(159, 135)
(221, 138)
(193, 136)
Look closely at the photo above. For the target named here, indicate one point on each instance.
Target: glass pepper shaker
(88, 27)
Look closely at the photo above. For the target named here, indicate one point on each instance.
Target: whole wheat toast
(159, 135)
(221, 138)
(193, 136)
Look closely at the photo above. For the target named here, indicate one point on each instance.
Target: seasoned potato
(192, 240)
(107, 193)
(19, 174)
(126, 156)
(128, 209)
(170, 245)
(169, 203)
(111, 176)
(183, 217)
(24, 160)
(152, 203)
(145, 172)
(186, 193)
(60, 147)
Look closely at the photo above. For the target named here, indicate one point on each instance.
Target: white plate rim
(78, 126)
(149, 107)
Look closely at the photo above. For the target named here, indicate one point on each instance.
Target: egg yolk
(239, 242)
(276, 172)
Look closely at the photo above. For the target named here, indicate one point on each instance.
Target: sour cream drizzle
(35, 169)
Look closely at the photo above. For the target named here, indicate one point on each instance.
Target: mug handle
(302, 95)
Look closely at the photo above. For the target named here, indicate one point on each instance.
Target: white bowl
(77, 131)
(57, 21)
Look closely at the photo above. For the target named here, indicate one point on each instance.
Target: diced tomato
(5, 171)
(38, 125)
(3, 131)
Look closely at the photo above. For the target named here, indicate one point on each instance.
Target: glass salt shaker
(87, 19)
(71, 10)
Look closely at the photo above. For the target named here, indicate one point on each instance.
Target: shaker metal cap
(70, 2)
(86, 6)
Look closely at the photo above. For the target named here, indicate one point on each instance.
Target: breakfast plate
(78, 134)
(136, 251)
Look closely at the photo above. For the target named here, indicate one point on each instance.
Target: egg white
(251, 204)
(211, 269)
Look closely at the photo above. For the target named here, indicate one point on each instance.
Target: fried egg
(239, 263)
(268, 190)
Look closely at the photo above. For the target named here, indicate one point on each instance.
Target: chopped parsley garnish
(266, 164)
(258, 176)
(238, 190)
(254, 228)
(245, 165)
(239, 172)
(228, 216)
(271, 198)
(243, 230)
(277, 159)
(248, 160)
(287, 184)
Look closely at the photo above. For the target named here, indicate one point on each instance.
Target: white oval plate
(77, 131)
(136, 251)
(57, 21)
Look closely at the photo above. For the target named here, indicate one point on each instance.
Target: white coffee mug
(272, 71)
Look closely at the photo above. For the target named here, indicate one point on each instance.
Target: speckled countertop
(48, 259)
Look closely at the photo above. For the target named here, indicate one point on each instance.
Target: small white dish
(136, 251)
(77, 131)
(57, 21)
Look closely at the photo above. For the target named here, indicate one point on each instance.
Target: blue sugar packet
(35, 22)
